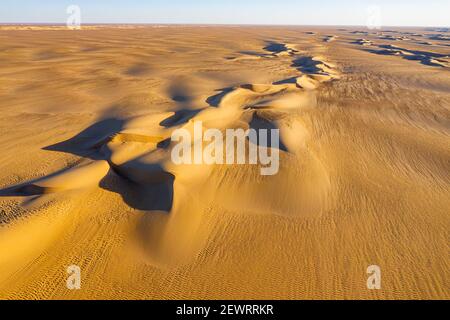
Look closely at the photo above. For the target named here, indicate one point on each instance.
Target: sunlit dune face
(89, 179)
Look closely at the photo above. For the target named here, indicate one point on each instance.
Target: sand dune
(329, 38)
(363, 42)
(89, 180)
(427, 58)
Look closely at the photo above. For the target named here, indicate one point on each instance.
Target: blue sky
(293, 12)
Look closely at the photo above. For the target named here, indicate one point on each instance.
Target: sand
(87, 178)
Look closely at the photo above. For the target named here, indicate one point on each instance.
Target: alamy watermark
(73, 282)
(374, 280)
(374, 17)
(74, 20)
(236, 146)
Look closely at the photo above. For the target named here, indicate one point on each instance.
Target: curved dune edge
(374, 145)
(140, 153)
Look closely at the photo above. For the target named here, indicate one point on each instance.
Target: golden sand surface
(86, 179)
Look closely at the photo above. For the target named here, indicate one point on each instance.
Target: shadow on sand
(424, 57)
(155, 193)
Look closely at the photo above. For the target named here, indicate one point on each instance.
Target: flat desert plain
(87, 178)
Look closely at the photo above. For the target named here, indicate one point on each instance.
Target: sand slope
(364, 163)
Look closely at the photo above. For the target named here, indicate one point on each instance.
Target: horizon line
(211, 24)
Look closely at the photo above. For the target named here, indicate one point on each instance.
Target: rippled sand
(87, 178)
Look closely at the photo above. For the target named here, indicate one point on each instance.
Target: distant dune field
(87, 178)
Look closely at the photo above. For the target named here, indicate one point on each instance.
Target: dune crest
(89, 180)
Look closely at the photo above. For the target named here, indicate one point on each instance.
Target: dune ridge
(89, 179)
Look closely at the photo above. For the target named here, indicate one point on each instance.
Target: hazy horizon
(399, 13)
(215, 24)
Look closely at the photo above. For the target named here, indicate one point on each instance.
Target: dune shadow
(388, 37)
(215, 100)
(86, 144)
(252, 53)
(417, 52)
(259, 123)
(359, 32)
(180, 93)
(362, 42)
(180, 117)
(143, 187)
(329, 38)
(137, 70)
(156, 196)
(275, 47)
(291, 80)
(424, 57)
(27, 189)
(439, 37)
(307, 65)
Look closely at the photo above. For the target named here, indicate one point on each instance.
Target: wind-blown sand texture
(87, 178)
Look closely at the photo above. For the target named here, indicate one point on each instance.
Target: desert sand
(87, 178)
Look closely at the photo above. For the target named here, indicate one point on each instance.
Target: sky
(428, 13)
